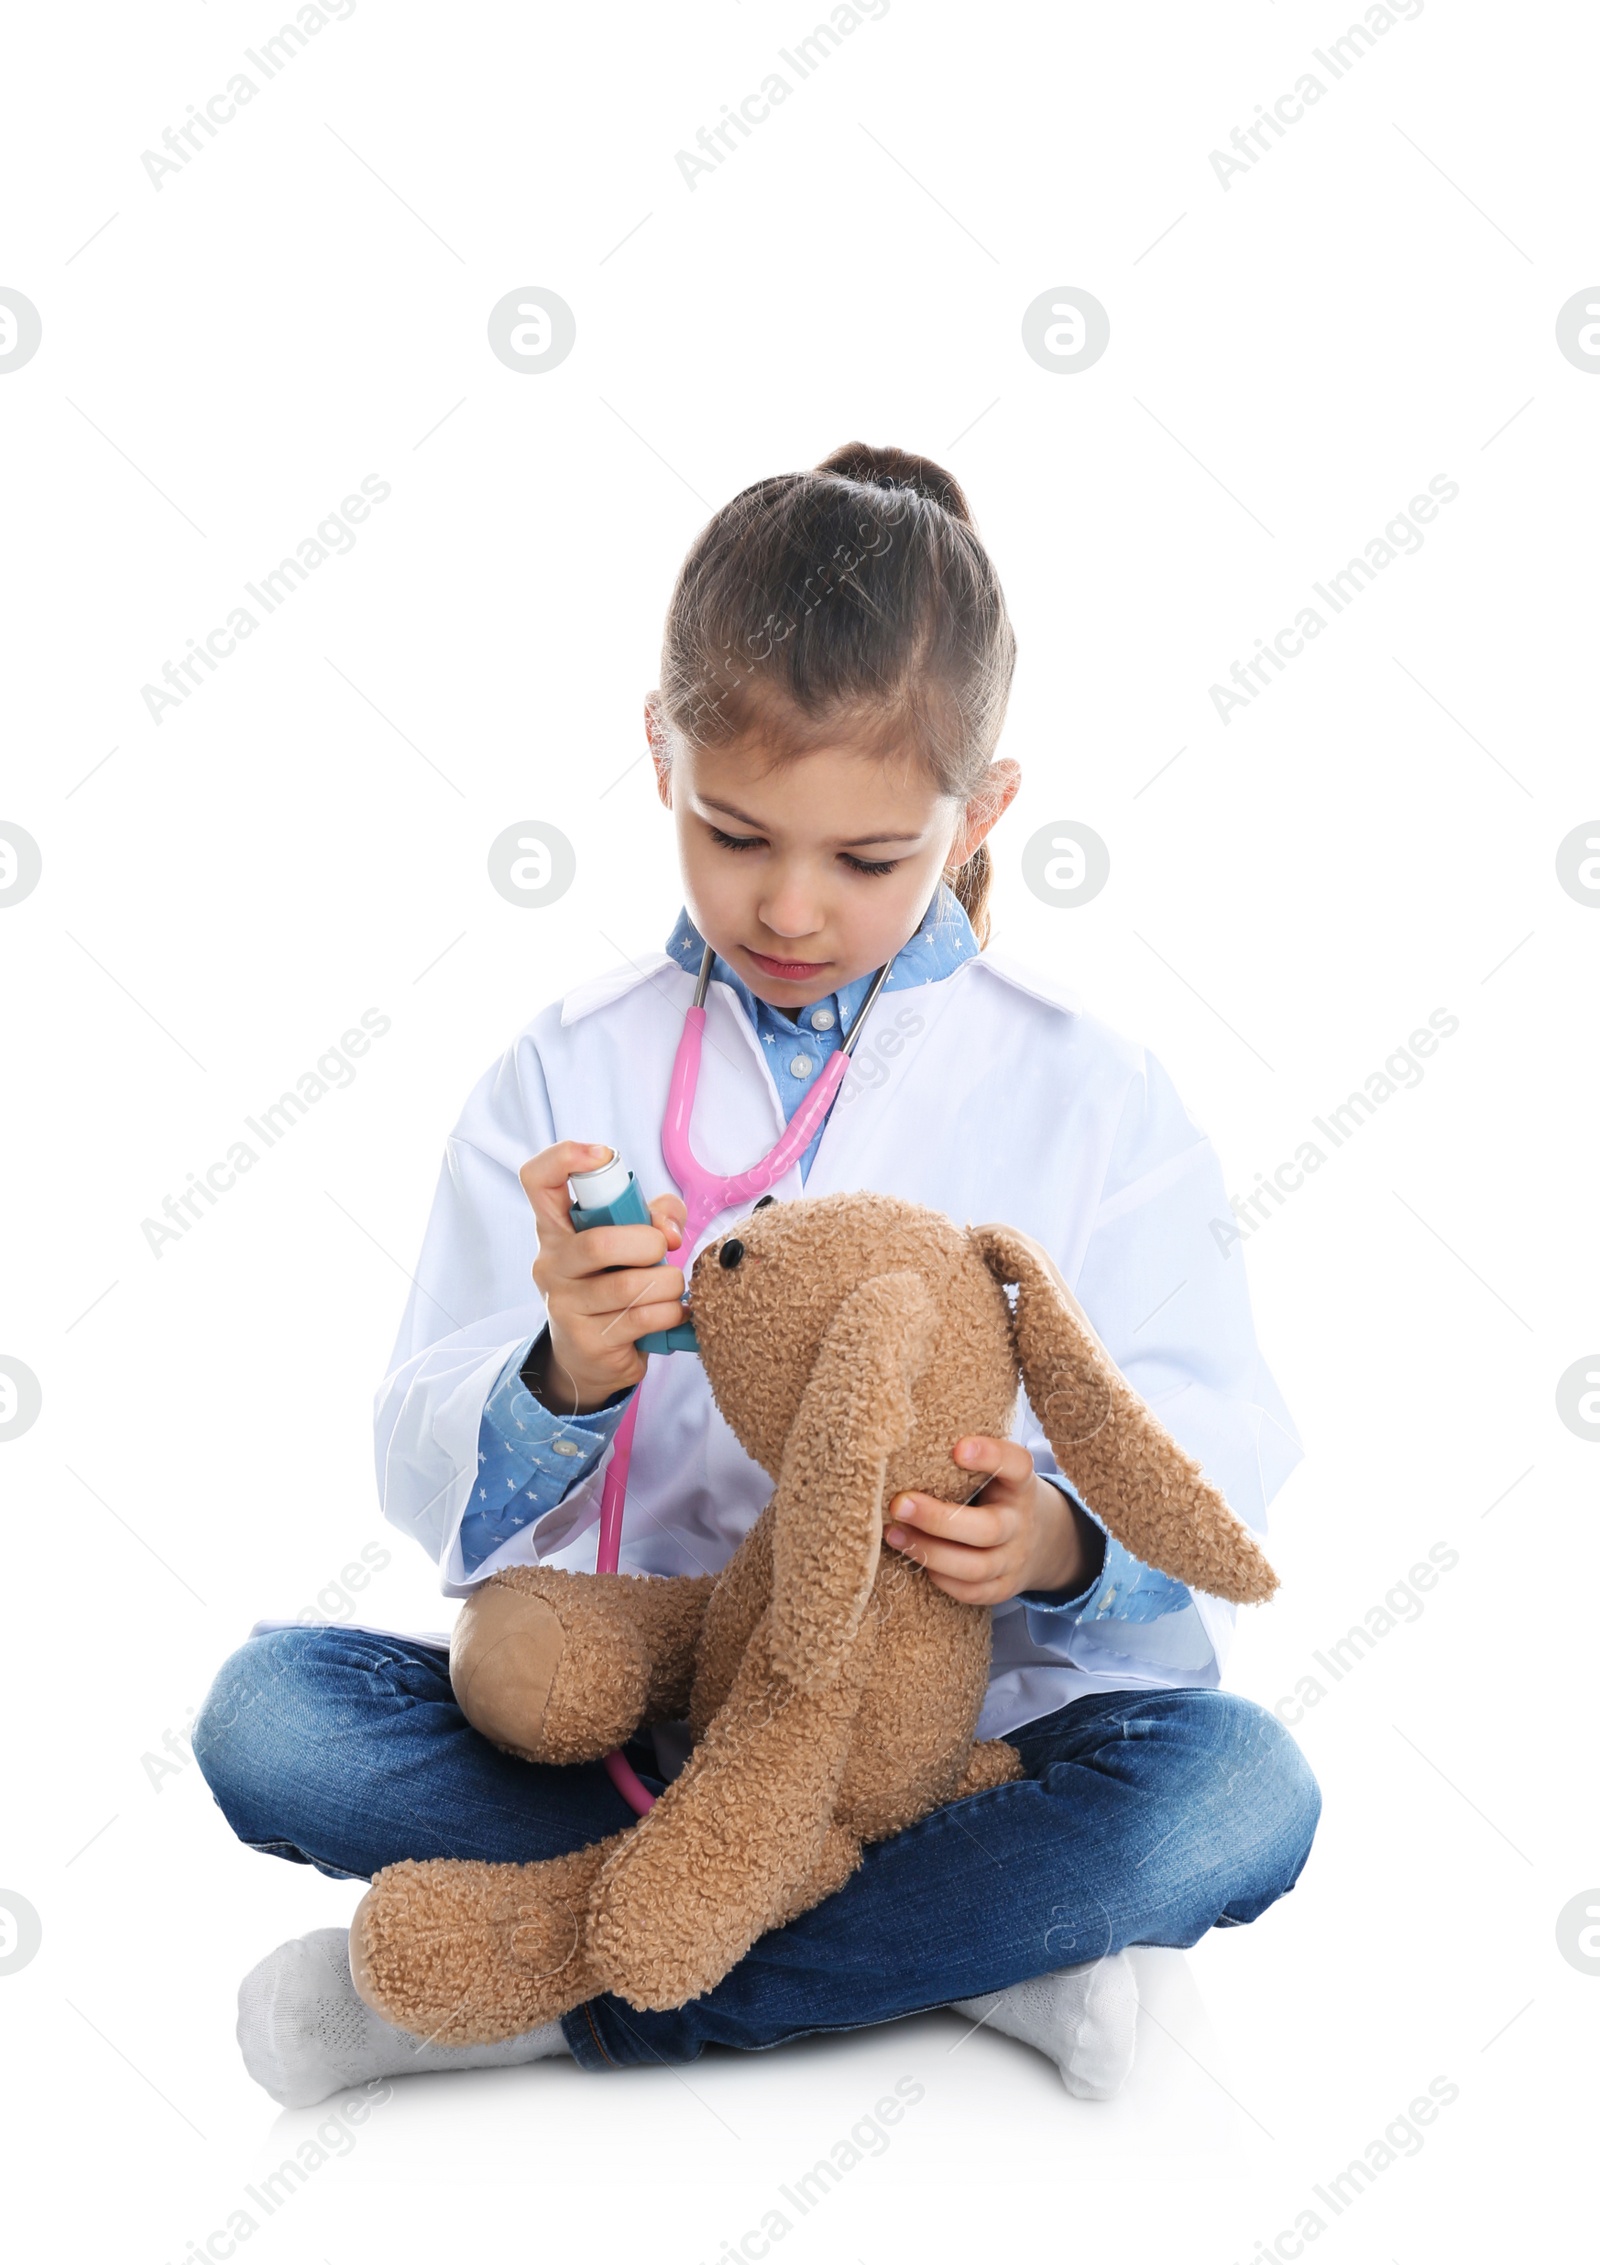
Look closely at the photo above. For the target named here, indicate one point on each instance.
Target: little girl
(834, 676)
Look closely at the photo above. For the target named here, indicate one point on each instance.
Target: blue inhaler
(610, 1197)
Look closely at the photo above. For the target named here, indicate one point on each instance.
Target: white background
(1292, 357)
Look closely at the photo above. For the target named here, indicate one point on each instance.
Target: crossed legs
(1145, 1816)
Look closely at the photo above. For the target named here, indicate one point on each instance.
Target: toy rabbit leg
(741, 1839)
(467, 1953)
(553, 1667)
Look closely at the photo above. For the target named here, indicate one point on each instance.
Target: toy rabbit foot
(468, 1953)
(561, 1667)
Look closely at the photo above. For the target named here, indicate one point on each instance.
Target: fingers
(970, 1575)
(626, 1290)
(671, 1215)
(951, 1560)
(1003, 1458)
(971, 1550)
(597, 1350)
(598, 1249)
(624, 1329)
(605, 1288)
(544, 1179)
(994, 1517)
(975, 1525)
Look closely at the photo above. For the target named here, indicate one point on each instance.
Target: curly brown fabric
(832, 1690)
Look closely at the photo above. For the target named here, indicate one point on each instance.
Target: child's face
(807, 874)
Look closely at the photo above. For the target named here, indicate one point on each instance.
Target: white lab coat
(988, 1095)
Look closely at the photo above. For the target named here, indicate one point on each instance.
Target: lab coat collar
(1033, 981)
(601, 990)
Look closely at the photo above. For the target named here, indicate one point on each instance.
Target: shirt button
(822, 1019)
(566, 1447)
(801, 1066)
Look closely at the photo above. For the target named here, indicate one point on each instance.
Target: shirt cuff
(529, 1459)
(1124, 1588)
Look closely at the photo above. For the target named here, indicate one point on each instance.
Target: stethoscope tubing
(706, 1196)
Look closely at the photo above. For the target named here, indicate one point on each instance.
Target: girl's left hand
(1020, 1532)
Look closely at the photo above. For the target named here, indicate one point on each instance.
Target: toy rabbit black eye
(761, 1205)
(731, 1252)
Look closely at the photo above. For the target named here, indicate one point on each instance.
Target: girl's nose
(790, 909)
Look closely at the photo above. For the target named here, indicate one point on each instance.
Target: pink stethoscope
(706, 1195)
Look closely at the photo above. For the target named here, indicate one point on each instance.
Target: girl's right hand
(595, 1314)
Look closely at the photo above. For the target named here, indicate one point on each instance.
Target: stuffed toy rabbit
(831, 1689)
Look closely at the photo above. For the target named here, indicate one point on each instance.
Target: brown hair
(855, 595)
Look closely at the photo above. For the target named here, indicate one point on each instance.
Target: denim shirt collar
(942, 941)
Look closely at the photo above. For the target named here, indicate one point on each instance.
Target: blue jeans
(1145, 1817)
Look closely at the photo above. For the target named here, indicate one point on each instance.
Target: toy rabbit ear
(827, 1511)
(1123, 1461)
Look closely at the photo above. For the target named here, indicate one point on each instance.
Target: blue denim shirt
(529, 1459)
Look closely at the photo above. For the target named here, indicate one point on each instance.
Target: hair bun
(897, 468)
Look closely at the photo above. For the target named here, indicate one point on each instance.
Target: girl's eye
(758, 841)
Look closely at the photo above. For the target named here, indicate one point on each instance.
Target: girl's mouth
(788, 970)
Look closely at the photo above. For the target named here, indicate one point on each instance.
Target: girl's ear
(655, 731)
(1121, 1458)
(993, 798)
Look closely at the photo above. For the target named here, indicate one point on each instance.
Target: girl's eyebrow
(861, 841)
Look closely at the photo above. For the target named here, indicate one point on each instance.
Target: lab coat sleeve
(472, 1311)
(1167, 1296)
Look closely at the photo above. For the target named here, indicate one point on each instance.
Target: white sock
(304, 2033)
(1084, 2018)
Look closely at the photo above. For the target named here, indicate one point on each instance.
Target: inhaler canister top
(594, 1191)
